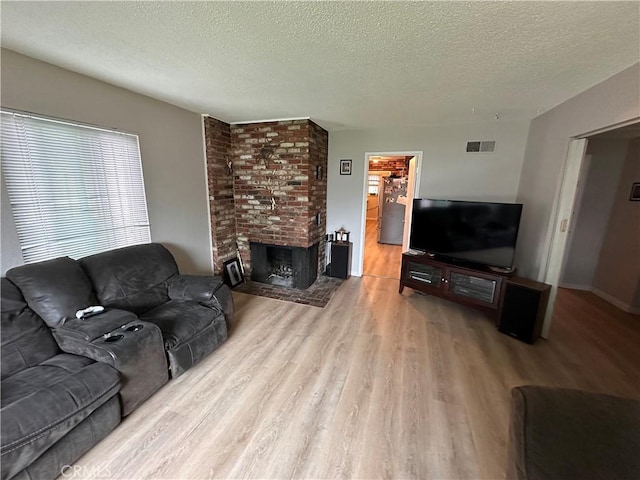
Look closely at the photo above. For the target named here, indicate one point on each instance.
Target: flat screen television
(479, 233)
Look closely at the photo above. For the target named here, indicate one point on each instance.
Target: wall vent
(481, 146)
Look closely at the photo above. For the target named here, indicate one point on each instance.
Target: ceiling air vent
(483, 146)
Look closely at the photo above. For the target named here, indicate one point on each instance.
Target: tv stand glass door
(475, 287)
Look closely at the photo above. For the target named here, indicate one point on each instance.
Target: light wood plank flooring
(380, 260)
(376, 385)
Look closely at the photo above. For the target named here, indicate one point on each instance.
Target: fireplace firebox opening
(280, 266)
(291, 267)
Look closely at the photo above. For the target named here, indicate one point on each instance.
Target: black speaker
(340, 265)
(523, 308)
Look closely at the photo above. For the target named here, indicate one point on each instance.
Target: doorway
(596, 246)
(390, 186)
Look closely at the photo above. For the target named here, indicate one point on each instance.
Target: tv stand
(479, 287)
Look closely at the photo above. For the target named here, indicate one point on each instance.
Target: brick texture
(221, 200)
(318, 155)
(398, 166)
(278, 193)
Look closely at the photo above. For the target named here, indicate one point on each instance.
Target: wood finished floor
(375, 385)
(380, 260)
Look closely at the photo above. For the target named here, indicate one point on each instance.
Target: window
(75, 190)
(374, 184)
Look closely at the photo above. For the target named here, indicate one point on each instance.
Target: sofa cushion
(558, 433)
(131, 278)
(60, 458)
(25, 339)
(180, 320)
(42, 403)
(185, 355)
(55, 289)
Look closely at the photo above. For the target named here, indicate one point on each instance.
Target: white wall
(447, 170)
(617, 277)
(10, 252)
(613, 101)
(607, 159)
(171, 146)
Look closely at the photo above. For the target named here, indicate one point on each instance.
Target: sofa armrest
(200, 288)
(95, 326)
(209, 290)
(119, 339)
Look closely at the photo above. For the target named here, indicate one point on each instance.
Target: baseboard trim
(575, 286)
(614, 301)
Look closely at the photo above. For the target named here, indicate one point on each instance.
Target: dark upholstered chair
(54, 406)
(562, 434)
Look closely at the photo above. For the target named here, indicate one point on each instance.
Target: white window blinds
(74, 190)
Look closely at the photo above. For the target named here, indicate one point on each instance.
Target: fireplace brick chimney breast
(220, 182)
(279, 185)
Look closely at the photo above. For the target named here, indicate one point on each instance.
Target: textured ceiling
(344, 64)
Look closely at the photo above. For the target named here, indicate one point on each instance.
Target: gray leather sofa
(55, 406)
(156, 324)
(139, 282)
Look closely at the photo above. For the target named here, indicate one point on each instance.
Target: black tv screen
(475, 232)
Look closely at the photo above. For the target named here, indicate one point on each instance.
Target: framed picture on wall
(345, 167)
(635, 193)
(233, 273)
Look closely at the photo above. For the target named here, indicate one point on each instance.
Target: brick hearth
(317, 295)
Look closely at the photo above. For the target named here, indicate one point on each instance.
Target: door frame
(574, 173)
(417, 154)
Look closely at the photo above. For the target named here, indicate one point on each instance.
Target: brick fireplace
(277, 173)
